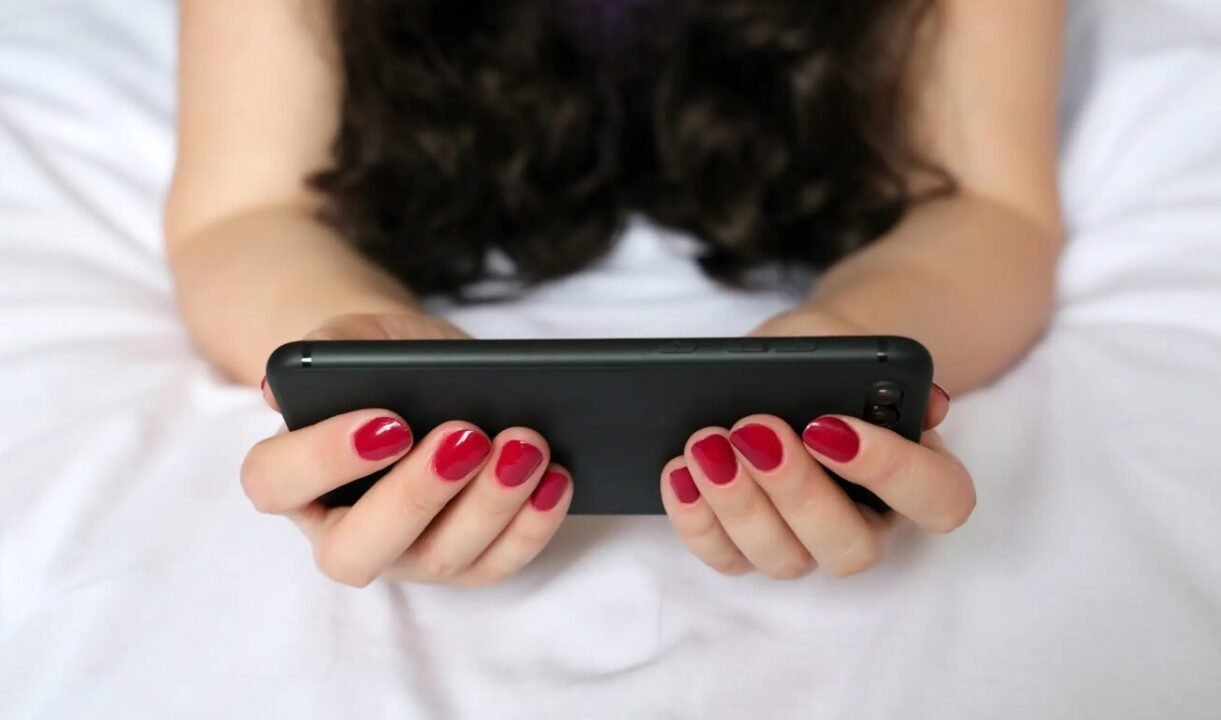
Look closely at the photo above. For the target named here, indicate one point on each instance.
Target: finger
(268, 397)
(289, 470)
(478, 515)
(744, 510)
(360, 326)
(938, 407)
(923, 482)
(695, 522)
(313, 518)
(397, 509)
(387, 326)
(533, 526)
(824, 519)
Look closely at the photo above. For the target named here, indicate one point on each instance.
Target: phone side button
(748, 346)
(794, 345)
(677, 346)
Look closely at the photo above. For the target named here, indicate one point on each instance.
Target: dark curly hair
(771, 129)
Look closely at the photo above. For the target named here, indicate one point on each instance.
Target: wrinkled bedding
(136, 581)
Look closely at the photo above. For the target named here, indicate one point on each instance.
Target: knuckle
(790, 569)
(491, 507)
(857, 558)
(352, 326)
(433, 561)
(886, 467)
(339, 568)
(416, 504)
(532, 537)
(701, 525)
(730, 564)
(437, 565)
(489, 576)
(794, 494)
(813, 494)
(742, 508)
(420, 504)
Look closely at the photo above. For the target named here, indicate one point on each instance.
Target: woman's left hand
(758, 496)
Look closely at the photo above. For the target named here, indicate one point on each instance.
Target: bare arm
(972, 276)
(258, 107)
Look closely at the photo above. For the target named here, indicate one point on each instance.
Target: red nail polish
(549, 491)
(518, 461)
(381, 438)
(460, 454)
(760, 445)
(684, 486)
(715, 457)
(941, 391)
(833, 438)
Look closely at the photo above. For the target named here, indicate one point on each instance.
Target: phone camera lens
(882, 415)
(886, 393)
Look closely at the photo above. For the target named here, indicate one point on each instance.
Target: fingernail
(941, 391)
(760, 445)
(832, 437)
(549, 491)
(460, 454)
(684, 486)
(716, 459)
(518, 461)
(381, 438)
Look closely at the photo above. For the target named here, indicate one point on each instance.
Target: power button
(676, 346)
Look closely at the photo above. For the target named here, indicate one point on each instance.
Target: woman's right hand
(457, 508)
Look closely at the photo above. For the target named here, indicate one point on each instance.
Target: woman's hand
(457, 508)
(758, 496)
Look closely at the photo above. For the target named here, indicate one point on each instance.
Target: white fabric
(136, 582)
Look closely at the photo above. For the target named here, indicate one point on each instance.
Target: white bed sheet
(136, 582)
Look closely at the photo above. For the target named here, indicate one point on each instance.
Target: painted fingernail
(518, 461)
(684, 486)
(460, 454)
(716, 459)
(941, 391)
(549, 491)
(381, 438)
(760, 445)
(832, 437)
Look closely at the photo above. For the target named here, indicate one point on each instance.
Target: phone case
(613, 411)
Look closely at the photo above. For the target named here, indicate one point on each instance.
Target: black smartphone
(613, 411)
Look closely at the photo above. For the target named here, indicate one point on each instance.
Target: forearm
(971, 279)
(255, 280)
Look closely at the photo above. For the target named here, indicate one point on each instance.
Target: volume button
(795, 345)
(748, 346)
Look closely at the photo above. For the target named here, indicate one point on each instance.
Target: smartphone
(613, 411)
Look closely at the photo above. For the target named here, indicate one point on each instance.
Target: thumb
(351, 327)
(356, 326)
(387, 326)
(341, 327)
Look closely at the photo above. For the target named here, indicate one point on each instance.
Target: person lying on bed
(340, 159)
